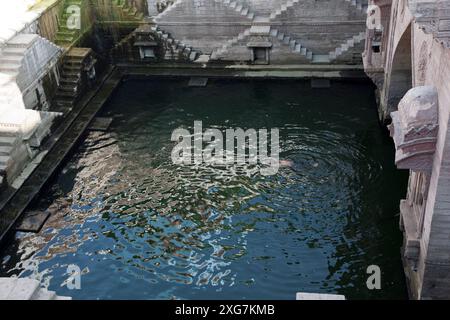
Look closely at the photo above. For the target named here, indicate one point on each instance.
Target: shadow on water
(141, 227)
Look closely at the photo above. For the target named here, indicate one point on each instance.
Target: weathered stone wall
(31, 66)
(307, 31)
(415, 52)
(48, 21)
(435, 259)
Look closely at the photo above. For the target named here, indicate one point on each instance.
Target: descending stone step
(293, 44)
(238, 7)
(203, 58)
(360, 5)
(220, 52)
(167, 10)
(5, 150)
(176, 47)
(67, 36)
(283, 8)
(320, 58)
(7, 141)
(44, 295)
(71, 84)
(347, 45)
(11, 51)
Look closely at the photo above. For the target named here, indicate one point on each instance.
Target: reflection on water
(140, 227)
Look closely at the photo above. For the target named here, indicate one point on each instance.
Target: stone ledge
(318, 296)
(25, 289)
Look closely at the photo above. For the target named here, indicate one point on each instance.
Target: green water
(141, 227)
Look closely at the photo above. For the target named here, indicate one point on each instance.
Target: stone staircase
(25, 289)
(242, 9)
(176, 48)
(67, 36)
(71, 82)
(283, 8)
(21, 129)
(170, 8)
(8, 144)
(347, 45)
(360, 5)
(294, 44)
(11, 60)
(128, 13)
(285, 39)
(218, 53)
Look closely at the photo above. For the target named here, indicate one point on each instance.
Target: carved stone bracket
(414, 129)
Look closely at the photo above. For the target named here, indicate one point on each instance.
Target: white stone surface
(25, 289)
(14, 17)
(415, 52)
(318, 296)
(25, 59)
(419, 107)
(298, 30)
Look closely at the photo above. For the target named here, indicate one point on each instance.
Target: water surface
(140, 227)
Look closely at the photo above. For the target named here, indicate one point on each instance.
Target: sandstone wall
(320, 27)
(415, 51)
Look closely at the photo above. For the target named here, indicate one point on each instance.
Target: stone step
(321, 58)
(7, 141)
(23, 40)
(66, 94)
(69, 81)
(43, 294)
(71, 74)
(68, 88)
(18, 289)
(15, 59)
(204, 58)
(4, 160)
(350, 43)
(69, 33)
(12, 131)
(283, 8)
(11, 51)
(62, 298)
(5, 150)
(10, 67)
(70, 68)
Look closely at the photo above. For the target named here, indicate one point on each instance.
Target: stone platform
(319, 296)
(25, 289)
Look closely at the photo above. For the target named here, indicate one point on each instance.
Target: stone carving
(423, 64)
(414, 129)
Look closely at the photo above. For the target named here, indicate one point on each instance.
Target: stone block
(318, 296)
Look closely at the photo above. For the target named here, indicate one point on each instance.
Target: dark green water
(141, 227)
